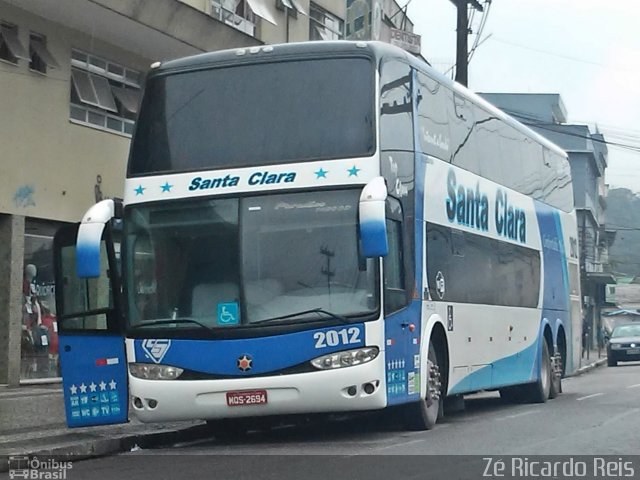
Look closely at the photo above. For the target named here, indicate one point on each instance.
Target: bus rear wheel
(539, 391)
(423, 414)
(556, 376)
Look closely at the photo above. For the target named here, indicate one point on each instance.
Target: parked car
(624, 344)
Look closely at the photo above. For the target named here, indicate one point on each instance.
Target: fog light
(137, 402)
(369, 388)
(152, 403)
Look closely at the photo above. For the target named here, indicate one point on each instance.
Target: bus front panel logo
(440, 286)
(156, 348)
(245, 362)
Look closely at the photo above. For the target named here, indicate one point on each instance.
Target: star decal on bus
(140, 190)
(245, 362)
(166, 187)
(321, 173)
(353, 171)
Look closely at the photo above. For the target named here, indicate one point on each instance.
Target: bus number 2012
(332, 338)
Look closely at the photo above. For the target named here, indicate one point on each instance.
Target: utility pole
(462, 31)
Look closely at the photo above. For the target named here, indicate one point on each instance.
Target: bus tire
(555, 388)
(539, 391)
(423, 414)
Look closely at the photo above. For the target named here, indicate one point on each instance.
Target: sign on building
(408, 41)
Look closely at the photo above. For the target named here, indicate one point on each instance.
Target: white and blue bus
(318, 227)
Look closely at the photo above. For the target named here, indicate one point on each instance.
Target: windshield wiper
(342, 318)
(152, 323)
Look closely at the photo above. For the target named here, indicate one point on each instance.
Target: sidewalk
(32, 423)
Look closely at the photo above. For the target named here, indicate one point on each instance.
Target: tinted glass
(396, 107)
(468, 268)
(236, 262)
(246, 115)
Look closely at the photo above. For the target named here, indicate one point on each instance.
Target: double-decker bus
(318, 227)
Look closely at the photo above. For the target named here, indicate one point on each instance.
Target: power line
(532, 121)
(566, 57)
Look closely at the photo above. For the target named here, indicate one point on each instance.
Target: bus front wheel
(423, 414)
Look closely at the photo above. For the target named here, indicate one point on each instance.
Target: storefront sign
(405, 40)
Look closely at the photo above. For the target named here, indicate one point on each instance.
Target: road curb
(101, 447)
(591, 366)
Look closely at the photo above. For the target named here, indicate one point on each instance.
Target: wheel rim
(434, 384)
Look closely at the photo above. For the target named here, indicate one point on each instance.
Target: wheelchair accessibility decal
(228, 313)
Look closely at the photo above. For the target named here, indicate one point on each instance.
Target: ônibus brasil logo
(156, 348)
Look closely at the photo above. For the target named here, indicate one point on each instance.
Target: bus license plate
(633, 351)
(247, 397)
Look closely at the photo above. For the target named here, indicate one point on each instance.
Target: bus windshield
(256, 114)
(236, 262)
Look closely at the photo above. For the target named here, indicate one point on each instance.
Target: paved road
(598, 414)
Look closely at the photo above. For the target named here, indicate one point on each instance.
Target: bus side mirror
(90, 237)
(373, 229)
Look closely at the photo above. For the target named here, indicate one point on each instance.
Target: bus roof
(376, 50)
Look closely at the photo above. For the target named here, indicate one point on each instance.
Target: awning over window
(263, 9)
(298, 7)
(322, 32)
(601, 278)
(41, 50)
(93, 90)
(127, 97)
(10, 37)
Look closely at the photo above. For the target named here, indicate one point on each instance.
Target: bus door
(402, 314)
(92, 349)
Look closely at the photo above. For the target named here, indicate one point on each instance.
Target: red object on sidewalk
(50, 322)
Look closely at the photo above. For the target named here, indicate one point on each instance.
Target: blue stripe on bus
(267, 354)
(510, 370)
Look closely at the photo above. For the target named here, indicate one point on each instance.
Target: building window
(104, 94)
(324, 25)
(236, 13)
(10, 47)
(40, 57)
(39, 342)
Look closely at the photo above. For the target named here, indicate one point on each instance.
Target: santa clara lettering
(256, 178)
(266, 178)
(469, 207)
(511, 222)
(200, 183)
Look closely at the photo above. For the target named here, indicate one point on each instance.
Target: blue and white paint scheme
(493, 346)
(373, 228)
(90, 237)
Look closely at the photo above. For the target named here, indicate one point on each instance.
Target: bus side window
(395, 292)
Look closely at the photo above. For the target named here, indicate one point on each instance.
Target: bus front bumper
(360, 387)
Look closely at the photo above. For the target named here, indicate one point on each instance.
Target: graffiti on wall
(23, 197)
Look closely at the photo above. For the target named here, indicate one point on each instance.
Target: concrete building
(587, 150)
(383, 20)
(71, 73)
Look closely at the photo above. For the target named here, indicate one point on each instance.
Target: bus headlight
(149, 371)
(616, 346)
(347, 358)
